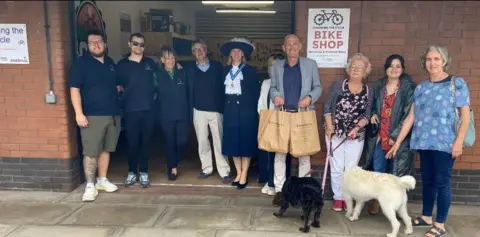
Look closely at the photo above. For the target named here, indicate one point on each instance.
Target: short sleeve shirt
(434, 125)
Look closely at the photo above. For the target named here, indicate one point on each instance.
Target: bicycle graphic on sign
(336, 18)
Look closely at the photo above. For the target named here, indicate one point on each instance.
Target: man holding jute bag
(295, 86)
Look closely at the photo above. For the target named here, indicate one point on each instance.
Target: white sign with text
(13, 44)
(328, 36)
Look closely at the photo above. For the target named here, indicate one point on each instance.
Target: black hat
(238, 43)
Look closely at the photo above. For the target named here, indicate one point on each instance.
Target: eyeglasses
(142, 45)
(197, 50)
(96, 42)
(359, 68)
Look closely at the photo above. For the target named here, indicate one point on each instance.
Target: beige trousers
(202, 120)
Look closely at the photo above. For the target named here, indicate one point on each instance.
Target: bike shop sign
(328, 34)
(13, 44)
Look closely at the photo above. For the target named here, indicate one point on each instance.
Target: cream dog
(390, 191)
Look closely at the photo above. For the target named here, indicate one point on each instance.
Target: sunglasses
(138, 44)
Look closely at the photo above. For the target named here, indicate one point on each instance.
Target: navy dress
(240, 116)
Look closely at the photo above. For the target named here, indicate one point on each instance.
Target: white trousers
(202, 120)
(280, 169)
(347, 155)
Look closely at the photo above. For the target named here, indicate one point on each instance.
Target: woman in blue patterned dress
(434, 134)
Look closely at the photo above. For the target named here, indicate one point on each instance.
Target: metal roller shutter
(265, 31)
(213, 25)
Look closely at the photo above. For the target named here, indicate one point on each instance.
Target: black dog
(303, 192)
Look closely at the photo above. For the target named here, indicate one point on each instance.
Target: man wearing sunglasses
(137, 80)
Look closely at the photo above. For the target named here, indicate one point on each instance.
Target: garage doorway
(191, 20)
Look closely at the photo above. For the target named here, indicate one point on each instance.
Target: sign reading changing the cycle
(328, 36)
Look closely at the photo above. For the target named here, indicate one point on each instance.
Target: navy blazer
(248, 100)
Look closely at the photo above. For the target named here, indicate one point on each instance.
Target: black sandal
(419, 222)
(437, 233)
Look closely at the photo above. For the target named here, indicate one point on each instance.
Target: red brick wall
(28, 126)
(406, 28)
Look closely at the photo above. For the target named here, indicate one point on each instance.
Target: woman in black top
(174, 108)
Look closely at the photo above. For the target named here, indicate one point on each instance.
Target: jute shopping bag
(274, 131)
(304, 138)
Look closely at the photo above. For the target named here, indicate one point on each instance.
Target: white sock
(90, 185)
(101, 179)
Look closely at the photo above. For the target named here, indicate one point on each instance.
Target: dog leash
(329, 154)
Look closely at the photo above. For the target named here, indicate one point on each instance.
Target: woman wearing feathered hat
(240, 117)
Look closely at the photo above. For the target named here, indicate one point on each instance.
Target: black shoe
(226, 180)
(242, 186)
(235, 183)
(203, 175)
(172, 176)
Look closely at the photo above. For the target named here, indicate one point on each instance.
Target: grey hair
(442, 50)
(166, 50)
(201, 42)
(359, 56)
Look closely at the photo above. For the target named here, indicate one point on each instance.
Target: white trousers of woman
(347, 155)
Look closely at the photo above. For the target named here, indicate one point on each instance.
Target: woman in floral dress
(347, 112)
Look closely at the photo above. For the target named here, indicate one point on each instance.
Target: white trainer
(268, 190)
(90, 194)
(265, 189)
(105, 185)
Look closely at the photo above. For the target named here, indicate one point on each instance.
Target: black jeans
(175, 134)
(138, 129)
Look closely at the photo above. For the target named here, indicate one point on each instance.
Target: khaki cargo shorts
(101, 134)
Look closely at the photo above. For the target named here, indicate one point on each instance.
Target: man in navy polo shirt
(136, 77)
(94, 95)
(207, 90)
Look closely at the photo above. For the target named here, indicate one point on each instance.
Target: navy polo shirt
(292, 85)
(137, 80)
(97, 82)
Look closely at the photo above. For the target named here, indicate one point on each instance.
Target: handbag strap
(454, 90)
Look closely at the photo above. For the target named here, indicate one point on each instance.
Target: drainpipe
(50, 98)
(72, 27)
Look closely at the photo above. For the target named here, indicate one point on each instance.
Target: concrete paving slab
(378, 225)
(70, 231)
(330, 222)
(187, 200)
(35, 213)
(251, 201)
(463, 226)
(115, 215)
(237, 233)
(27, 196)
(6, 229)
(178, 217)
(108, 198)
(141, 232)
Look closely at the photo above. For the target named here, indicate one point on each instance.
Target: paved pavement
(43, 214)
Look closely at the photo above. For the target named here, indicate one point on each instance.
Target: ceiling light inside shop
(238, 2)
(245, 11)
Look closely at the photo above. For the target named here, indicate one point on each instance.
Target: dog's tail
(408, 182)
